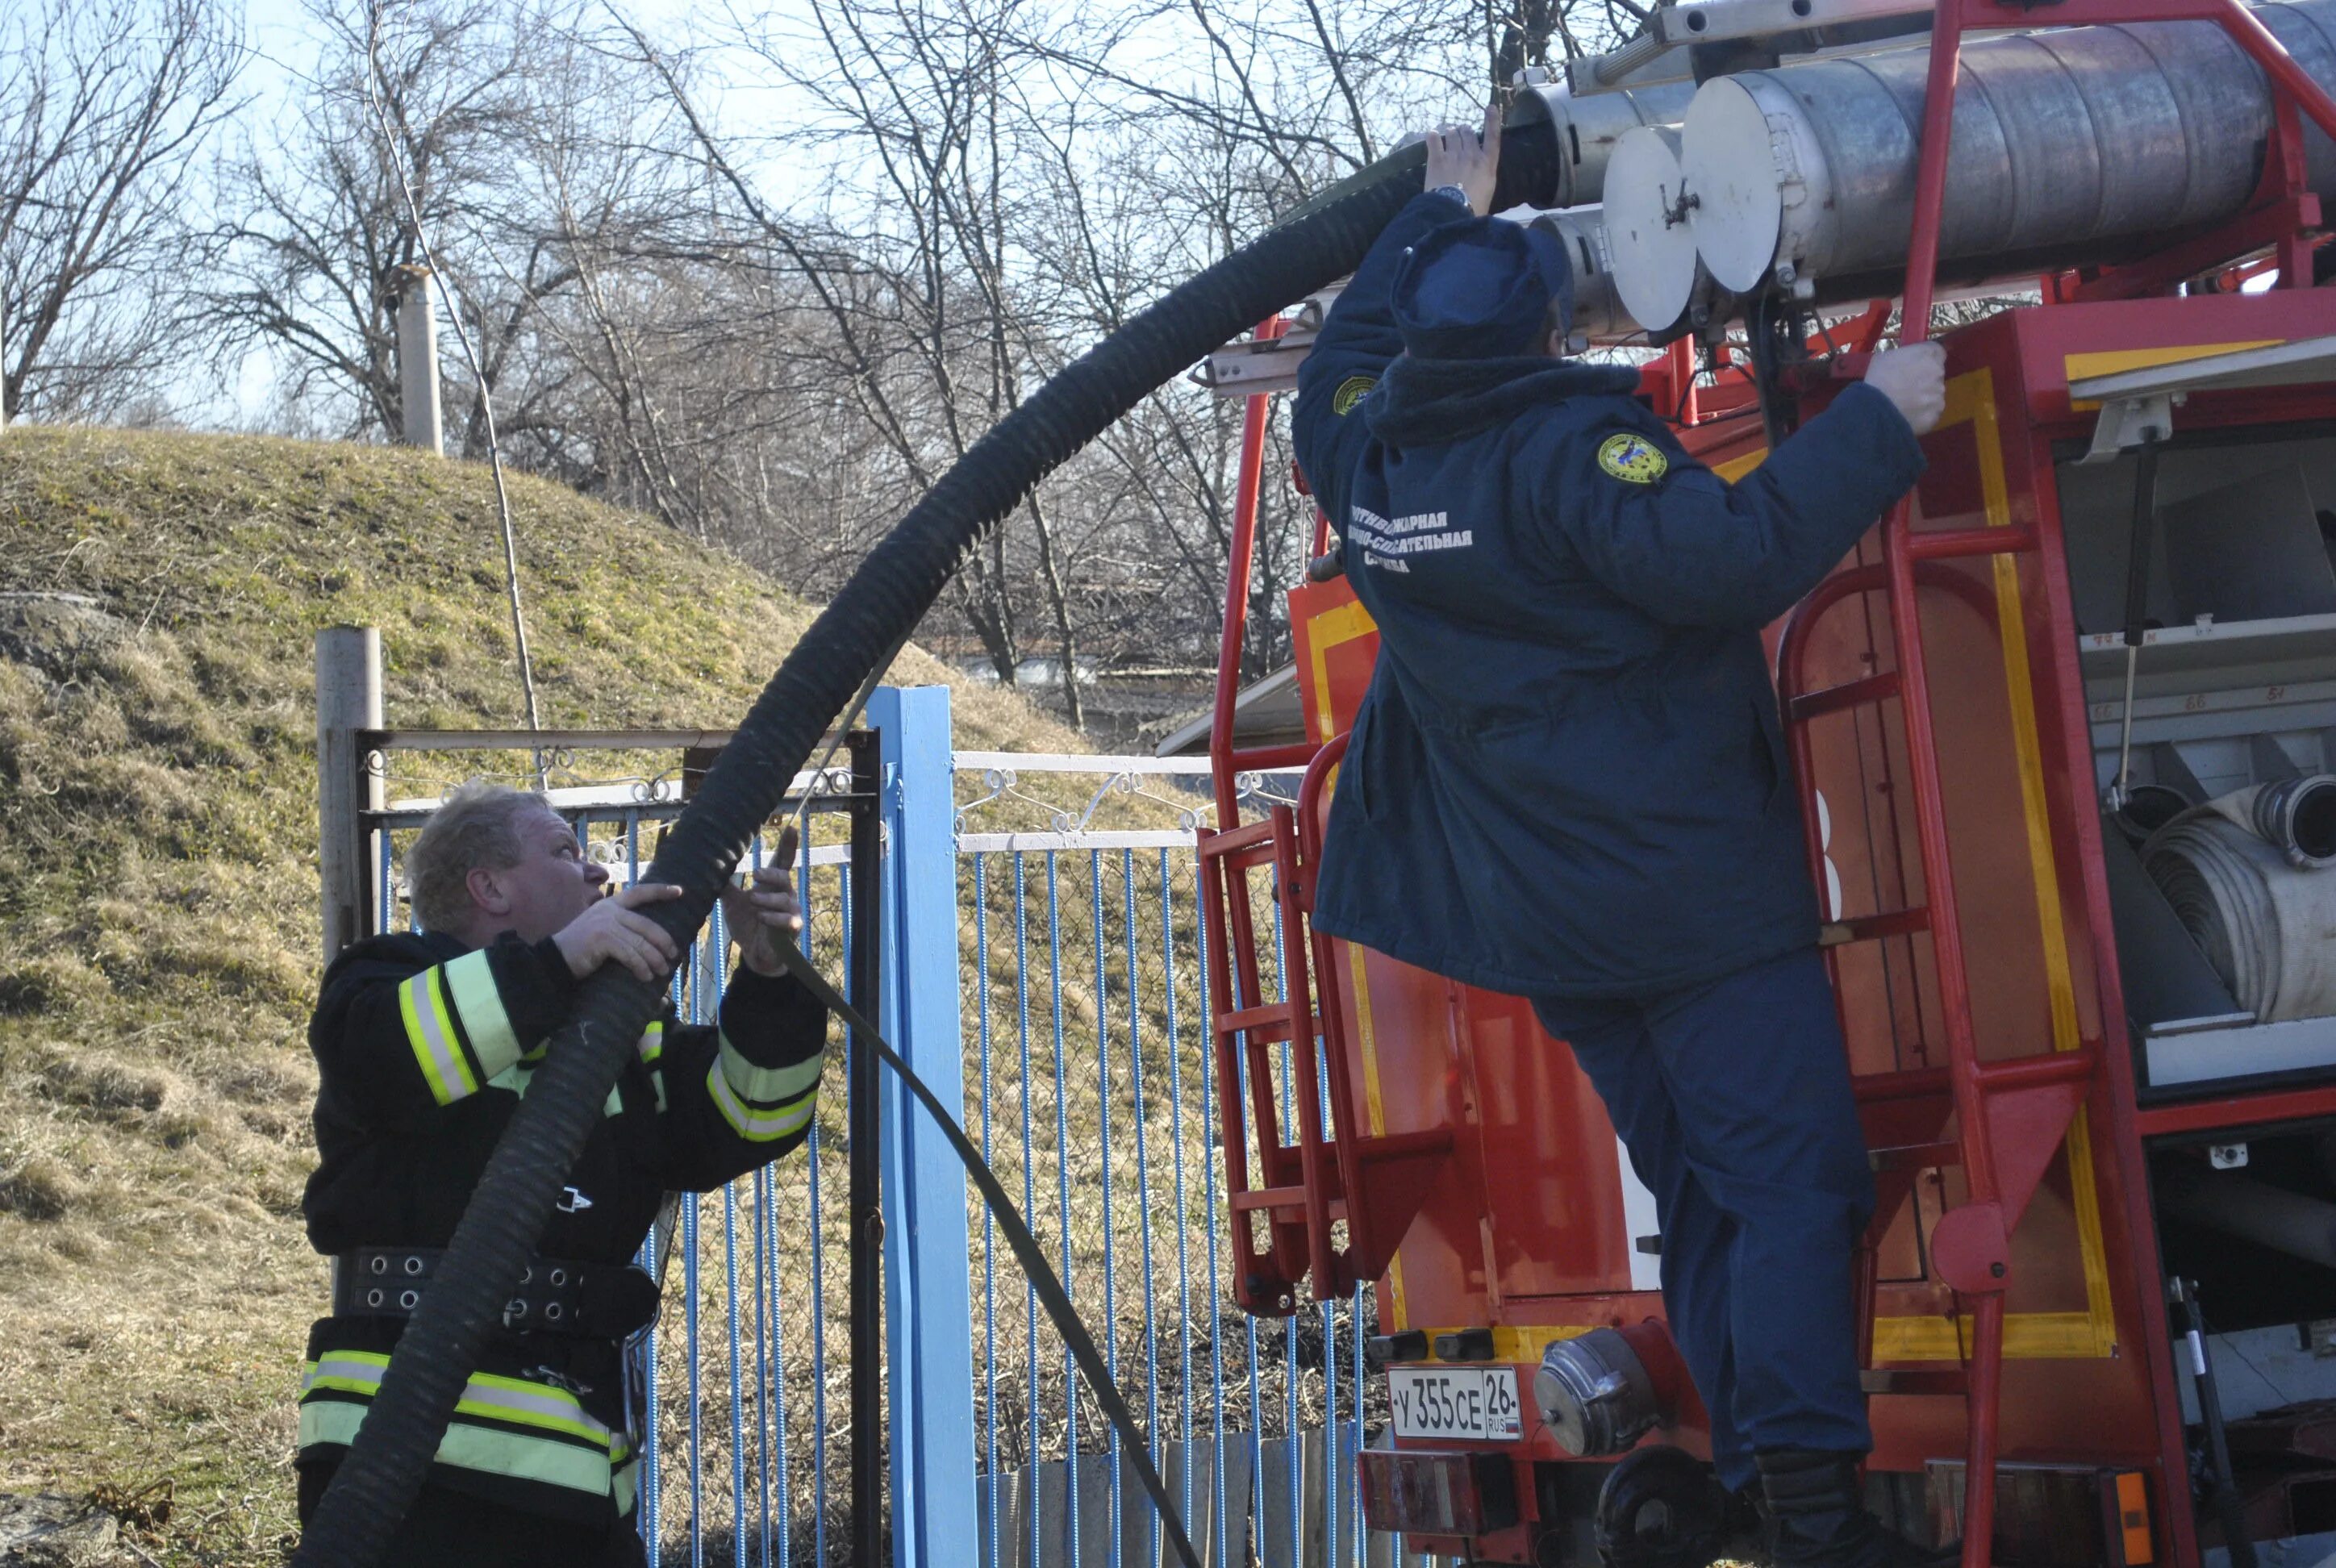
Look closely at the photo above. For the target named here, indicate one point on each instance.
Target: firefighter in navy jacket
(424, 1044)
(1568, 779)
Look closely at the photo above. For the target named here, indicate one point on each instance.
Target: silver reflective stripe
(443, 1067)
(357, 1371)
(533, 1404)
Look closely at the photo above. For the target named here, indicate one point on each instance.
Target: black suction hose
(878, 607)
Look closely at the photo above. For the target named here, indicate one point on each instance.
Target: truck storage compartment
(2217, 853)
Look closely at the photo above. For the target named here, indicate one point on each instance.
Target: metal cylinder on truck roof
(1588, 129)
(1598, 313)
(1647, 229)
(2077, 146)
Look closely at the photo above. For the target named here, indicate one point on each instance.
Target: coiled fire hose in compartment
(2249, 876)
(870, 615)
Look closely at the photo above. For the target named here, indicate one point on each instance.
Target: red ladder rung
(1873, 927)
(1915, 1157)
(1233, 840)
(2035, 1072)
(1280, 1200)
(2013, 1073)
(1959, 543)
(1872, 688)
(1264, 1025)
(1903, 1084)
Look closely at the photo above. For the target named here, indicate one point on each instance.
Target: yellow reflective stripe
(754, 1125)
(511, 1453)
(652, 1049)
(487, 1394)
(624, 1485)
(348, 1363)
(470, 980)
(432, 1035)
(766, 1086)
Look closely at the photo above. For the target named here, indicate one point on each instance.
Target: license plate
(1458, 1402)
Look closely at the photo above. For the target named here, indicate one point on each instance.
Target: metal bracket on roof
(2127, 423)
(1654, 55)
(1250, 365)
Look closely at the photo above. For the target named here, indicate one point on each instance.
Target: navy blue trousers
(1733, 1100)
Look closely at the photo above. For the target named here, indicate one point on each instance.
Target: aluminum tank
(1648, 235)
(1588, 128)
(1599, 314)
(2084, 145)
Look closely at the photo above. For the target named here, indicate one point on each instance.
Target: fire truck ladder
(1370, 1182)
(2010, 1116)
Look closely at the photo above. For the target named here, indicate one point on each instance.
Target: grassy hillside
(158, 595)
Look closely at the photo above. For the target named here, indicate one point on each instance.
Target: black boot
(1663, 1508)
(1818, 1518)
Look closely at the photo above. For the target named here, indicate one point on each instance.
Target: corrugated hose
(873, 613)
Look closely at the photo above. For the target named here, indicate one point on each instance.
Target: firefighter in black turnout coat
(424, 1043)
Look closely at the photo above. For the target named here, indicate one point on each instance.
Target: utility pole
(348, 699)
(417, 359)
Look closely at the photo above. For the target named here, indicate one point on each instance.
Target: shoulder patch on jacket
(1633, 459)
(1351, 391)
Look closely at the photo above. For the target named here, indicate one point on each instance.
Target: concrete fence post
(928, 1293)
(417, 360)
(348, 699)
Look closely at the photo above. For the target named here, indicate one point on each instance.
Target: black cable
(882, 603)
(1043, 1282)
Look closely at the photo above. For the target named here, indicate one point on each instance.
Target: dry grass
(158, 889)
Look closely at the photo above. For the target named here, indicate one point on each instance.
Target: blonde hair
(475, 826)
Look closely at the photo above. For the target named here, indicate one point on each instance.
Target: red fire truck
(2098, 1302)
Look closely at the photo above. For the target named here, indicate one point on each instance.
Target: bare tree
(103, 113)
(776, 336)
(318, 229)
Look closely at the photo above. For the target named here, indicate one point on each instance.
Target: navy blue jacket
(1568, 777)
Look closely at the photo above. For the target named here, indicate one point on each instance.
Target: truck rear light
(1425, 1493)
(2126, 1494)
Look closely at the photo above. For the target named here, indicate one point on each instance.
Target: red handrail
(1240, 553)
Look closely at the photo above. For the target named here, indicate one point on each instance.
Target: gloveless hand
(1467, 157)
(613, 929)
(765, 912)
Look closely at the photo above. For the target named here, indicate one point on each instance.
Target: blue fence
(1042, 956)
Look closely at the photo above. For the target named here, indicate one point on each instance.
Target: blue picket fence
(1044, 956)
